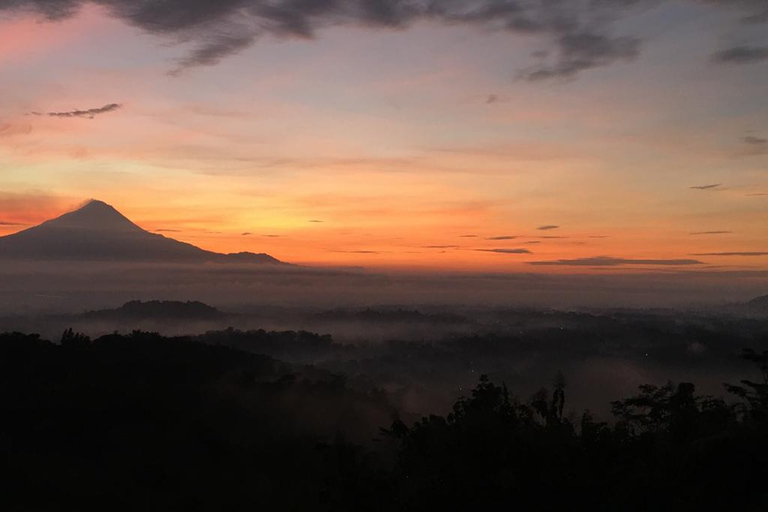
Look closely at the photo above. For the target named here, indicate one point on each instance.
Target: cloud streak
(747, 253)
(506, 251)
(607, 261)
(85, 114)
(547, 227)
(741, 55)
(706, 187)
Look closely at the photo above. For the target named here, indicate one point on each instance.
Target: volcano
(98, 232)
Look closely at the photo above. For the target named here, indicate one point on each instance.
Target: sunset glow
(418, 147)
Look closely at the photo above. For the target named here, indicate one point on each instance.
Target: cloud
(757, 194)
(468, 236)
(731, 254)
(167, 231)
(710, 233)
(706, 187)
(267, 236)
(502, 238)
(741, 55)
(8, 223)
(607, 261)
(11, 130)
(547, 227)
(441, 247)
(755, 141)
(585, 50)
(506, 251)
(578, 34)
(314, 221)
(247, 233)
(85, 114)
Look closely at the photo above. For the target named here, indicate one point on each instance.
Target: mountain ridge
(99, 232)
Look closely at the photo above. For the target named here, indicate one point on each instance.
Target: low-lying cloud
(607, 261)
(738, 253)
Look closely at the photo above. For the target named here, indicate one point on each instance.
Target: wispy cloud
(547, 227)
(755, 141)
(502, 238)
(711, 233)
(506, 251)
(607, 261)
(85, 114)
(706, 187)
(742, 55)
(738, 253)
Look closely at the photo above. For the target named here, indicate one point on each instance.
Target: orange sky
(413, 148)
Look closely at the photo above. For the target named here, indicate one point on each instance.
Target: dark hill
(157, 310)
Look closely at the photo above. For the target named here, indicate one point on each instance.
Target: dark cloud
(167, 231)
(502, 238)
(742, 55)
(314, 221)
(441, 247)
(506, 251)
(268, 236)
(755, 141)
(706, 187)
(534, 242)
(494, 98)
(607, 261)
(586, 50)
(468, 236)
(579, 34)
(731, 254)
(757, 194)
(547, 228)
(7, 223)
(86, 114)
(710, 233)
(553, 237)
(246, 234)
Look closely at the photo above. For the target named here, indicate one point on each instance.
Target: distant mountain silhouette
(759, 304)
(156, 309)
(98, 232)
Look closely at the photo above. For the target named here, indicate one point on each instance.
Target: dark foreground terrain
(146, 422)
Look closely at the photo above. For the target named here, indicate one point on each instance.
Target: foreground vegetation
(144, 422)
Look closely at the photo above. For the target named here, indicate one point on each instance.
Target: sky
(530, 135)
